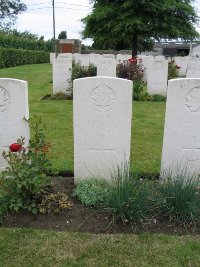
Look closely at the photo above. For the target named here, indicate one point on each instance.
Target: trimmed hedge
(16, 57)
(11, 41)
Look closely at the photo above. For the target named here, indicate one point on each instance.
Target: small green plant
(54, 203)
(25, 178)
(180, 197)
(173, 70)
(138, 88)
(92, 191)
(131, 198)
(79, 71)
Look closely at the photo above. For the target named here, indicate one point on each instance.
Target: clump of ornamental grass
(131, 198)
(179, 196)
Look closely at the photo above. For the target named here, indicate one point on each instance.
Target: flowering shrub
(25, 179)
(131, 71)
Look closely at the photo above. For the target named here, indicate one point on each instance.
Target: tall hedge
(12, 41)
(16, 57)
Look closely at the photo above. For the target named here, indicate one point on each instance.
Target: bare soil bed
(83, 219)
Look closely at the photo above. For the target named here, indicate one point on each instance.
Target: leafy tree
(9, 9)
(135, 24)
(62, 35)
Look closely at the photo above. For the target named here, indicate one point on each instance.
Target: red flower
(132, 60)
(178, 67)
(15, 147)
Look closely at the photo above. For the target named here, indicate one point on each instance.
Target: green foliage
(138, 22)
(24, 180)
(130, 198)
(9, 9)
(62, 35)
(79, 71)
(138, 88)
(172, 70)
(180, 197)
(92, 191)
(15, 57)
(54, 203)
(24, 40)
(135, 72)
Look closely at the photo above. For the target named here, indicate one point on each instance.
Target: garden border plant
(25, 178)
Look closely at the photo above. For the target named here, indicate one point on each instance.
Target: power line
(56, 3)
(57, 7)
(39, 4)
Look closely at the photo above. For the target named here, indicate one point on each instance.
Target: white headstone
(82, 59)
(144, 61)
(181, 142)
(65, 55)
(157, 76)
(182, 62)
(13, 109)
(193, 70)
(62, 69)
(94, 58)
(52, 57)
(121, 58)
(106, 67)
(102, 114)
(108, 56)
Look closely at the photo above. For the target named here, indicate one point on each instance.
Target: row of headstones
(155, 70)
(92, 58)
(155, 73)
(102, 113)
(189, 66)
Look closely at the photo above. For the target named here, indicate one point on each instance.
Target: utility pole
(54, 30)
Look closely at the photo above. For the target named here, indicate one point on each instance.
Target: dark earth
(83, 219)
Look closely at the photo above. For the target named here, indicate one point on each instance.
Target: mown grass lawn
(27, 247)
(147, 124)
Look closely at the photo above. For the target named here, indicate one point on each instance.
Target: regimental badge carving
(105, 66)
(103, 98)
(4, 99)
(157, 65)
(192, 100)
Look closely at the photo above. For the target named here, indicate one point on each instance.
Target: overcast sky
(68, 13)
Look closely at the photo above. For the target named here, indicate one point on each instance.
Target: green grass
(27, 247)
(147, 126)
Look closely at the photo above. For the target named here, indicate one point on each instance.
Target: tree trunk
(134, 44)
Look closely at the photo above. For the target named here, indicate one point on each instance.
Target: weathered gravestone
(106, 67)
(181, 142)
(62, 70)
(102, 125)
(157, 75)
(193, 69)
(14, 110)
